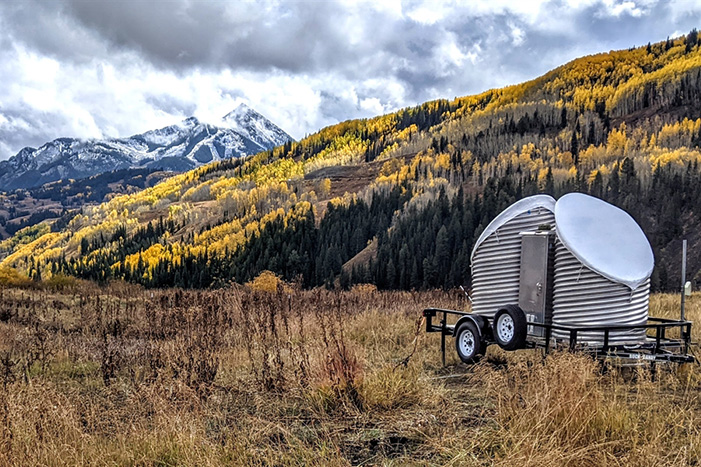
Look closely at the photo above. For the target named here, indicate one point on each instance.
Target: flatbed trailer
(658, 346)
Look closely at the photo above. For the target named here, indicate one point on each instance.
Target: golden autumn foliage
(10, 277)
(576, 122)
(268, 281)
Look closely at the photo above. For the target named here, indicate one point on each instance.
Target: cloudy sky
(91, 69)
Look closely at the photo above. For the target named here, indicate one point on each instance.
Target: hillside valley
(398, 200)
(52, 201)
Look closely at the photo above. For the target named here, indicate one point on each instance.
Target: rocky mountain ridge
(179, 147)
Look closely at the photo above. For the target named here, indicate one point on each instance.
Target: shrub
(60, 282)
(12, 278)
(267, 281)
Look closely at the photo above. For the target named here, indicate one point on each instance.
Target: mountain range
(399, 200)
(179, 147)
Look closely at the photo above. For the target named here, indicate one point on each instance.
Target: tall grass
(281, 376)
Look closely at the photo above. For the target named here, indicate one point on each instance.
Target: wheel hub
(505, 328)
(467, 342)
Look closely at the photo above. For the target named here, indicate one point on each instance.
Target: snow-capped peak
(254, 126)
(240, 114)
(181, 146)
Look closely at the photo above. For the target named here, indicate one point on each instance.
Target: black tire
(512, 335)
(468, 343)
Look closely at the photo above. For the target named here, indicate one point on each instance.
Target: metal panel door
(535, 285)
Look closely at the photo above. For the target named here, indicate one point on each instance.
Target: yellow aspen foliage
(592, 176)
(390, 167)
(466, 157)
(679, 157)
(390, 151)
(593, 156)
(406, 133)
(616, 142)
(10, 277)
(476, 169)
(652, 144)
(678, 133)
(22, 252)
(324, 187)
(344, 150)
(155, 253)
(268, 281)
(251, 228)
(565, 159)
(51, 252)
(525, 157)
(383, 124)
(200, 192)
(442, 162)
(24, 236)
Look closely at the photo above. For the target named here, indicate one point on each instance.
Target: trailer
(572, 274)
(474, 333)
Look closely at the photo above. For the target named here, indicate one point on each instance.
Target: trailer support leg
(573, 339)
(443, 328)
(606, 342)
(658, 339)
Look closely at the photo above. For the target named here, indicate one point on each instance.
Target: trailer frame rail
(657, 348)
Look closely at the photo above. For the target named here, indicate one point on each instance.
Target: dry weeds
(124, 376)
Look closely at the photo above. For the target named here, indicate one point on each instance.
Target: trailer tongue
(582, 284)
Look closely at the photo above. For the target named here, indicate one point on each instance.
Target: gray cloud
(89, 68)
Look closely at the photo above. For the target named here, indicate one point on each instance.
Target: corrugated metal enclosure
(496, 256)
(582, 297)
(603, 264)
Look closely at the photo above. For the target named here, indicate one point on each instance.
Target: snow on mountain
(255, 127)
(177, 147)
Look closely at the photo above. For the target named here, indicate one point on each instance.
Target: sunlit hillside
(398, 199)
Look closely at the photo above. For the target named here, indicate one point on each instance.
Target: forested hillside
(399, 199)
(25, 208)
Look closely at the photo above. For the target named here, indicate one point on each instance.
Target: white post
(683, 275)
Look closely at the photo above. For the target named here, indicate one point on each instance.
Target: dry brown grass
(124, 376)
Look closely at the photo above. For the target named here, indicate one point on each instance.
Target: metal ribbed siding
(496, 264)
(582, 297)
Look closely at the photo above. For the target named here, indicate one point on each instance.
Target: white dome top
(525, 205)
(604, 238)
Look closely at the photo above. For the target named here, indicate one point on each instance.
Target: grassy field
(124, 376)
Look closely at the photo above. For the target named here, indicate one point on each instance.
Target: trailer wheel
(467, 343)
(509, 327)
